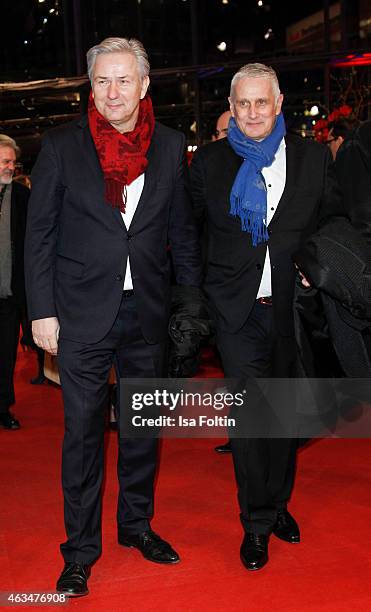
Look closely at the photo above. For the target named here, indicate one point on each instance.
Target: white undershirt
(275, 179)
(133, 193)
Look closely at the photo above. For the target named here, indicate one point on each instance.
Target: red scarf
(122, 156)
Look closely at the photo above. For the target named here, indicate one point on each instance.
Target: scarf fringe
(114, 194)
(251, 221)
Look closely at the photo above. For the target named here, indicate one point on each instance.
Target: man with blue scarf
(261, 192)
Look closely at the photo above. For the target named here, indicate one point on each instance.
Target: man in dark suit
(13, 212)
(109, 194)
(260, 192)
(353, 170)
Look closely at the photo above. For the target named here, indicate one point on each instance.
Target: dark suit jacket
(77, 245)
(18, 215)
(234, 266)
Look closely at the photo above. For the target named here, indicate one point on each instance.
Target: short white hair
(7, 141)
(256, 71)
(119, 45)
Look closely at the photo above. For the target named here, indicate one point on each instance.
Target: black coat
(77, 245)
(337, 262)
(353, 168)
(234, 266)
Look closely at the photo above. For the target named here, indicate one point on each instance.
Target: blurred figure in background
(23, 179)
(13, 211)
(26, 340)
(221, 129)
(339, 130)
(353, 169)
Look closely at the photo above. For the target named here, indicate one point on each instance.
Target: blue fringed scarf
(249, 193)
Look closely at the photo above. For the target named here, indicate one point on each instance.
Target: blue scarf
(249, 193)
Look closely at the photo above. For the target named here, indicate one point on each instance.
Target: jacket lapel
(149, 181)
(89, 151)
(293, 162)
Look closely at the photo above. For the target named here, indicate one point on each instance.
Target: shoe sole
(72, 595)
(149, 558)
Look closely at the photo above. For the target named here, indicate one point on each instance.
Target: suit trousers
(84, 371)
(264, 468)
(10, 316)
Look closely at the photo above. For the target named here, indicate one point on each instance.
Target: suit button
(258, 266)
(119, 277)
(130, 236)
(269, 231)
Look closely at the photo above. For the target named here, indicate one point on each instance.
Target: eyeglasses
(330, 140)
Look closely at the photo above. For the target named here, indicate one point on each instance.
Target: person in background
(353, 169)
(26, 340)
(339, 130)
(13, 213)
(109, 193)
(221, 128)
(23, 179)
(260, 192)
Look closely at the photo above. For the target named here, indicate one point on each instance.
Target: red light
(364, 59)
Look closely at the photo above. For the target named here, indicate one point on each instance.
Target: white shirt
(133, 193)
(275, 179)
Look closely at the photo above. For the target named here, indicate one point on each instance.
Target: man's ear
(279, 104)
(145, 85)
(231, 106)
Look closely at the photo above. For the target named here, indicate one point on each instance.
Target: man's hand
(304, 281)
(45, 334)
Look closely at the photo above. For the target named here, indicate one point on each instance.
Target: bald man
(222, 126)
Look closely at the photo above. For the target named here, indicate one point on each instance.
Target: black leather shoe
(8, 421)
(151, 546)
(286, 527)
(73, 580)
(254, 551)
(224, 448)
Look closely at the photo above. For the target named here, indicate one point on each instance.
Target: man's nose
(112, 91)
(252, 111)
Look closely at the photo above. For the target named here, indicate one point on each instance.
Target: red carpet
(196, 510)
